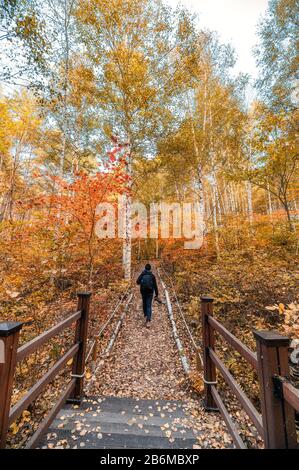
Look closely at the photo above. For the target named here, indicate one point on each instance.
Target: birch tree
(59, 16)
(131, 46)
(276, 159)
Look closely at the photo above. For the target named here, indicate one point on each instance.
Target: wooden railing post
(278, 417)
(208, 341)
(9, 338)
(81, 338)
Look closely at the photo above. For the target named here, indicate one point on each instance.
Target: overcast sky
(235, 21)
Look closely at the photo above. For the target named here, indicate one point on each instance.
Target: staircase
(121, 423)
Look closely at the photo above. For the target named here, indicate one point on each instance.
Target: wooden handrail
(33, 393)
(236, 389)
(81, 339)
(9, 334)
(278, 415)
(249, 355)
(278, 398)
(291, 395)
(208, 341)
(228, 420)
(37, 342)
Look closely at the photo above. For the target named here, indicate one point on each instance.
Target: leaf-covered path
(139, 396)
(145, 365)
(144, 362)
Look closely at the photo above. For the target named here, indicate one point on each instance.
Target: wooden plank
(288, 410)
(81, 339)
(236, 389)
(208, 342)
(9, 336)
(91, 350)
(249, 355)
(183, 358)
(291, 395)
(34, 440)
(33, 393)
(118, 326)
(35, 343)
(228, 420)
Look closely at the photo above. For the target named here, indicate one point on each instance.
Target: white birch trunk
(200, 189)
(218, 203)
(232, 199)
(270, 207)
(127, 243)
(226, 200)
(249, 201)
(215, 223)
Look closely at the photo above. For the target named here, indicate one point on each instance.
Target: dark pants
(147, 298)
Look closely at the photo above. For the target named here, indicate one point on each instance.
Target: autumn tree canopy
(156, 84)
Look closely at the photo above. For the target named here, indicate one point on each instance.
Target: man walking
(148, 285)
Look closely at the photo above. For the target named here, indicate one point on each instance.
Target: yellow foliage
(14, 428)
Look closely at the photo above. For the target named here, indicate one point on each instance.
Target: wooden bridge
(118, 422)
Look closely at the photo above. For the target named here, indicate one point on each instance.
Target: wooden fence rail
(289, 393)
(279, 398)
(10, 355)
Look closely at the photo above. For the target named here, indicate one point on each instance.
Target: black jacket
(154, 280)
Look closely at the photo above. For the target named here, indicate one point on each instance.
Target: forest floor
(254, 288)
(145, 364)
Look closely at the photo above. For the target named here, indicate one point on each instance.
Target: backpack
(147, 282)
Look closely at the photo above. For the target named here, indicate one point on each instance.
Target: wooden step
(117, 422)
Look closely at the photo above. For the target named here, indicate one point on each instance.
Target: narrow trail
(144, 362)
(139, 396)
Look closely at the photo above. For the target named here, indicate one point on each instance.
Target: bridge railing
(10, 355)
(278, 398)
